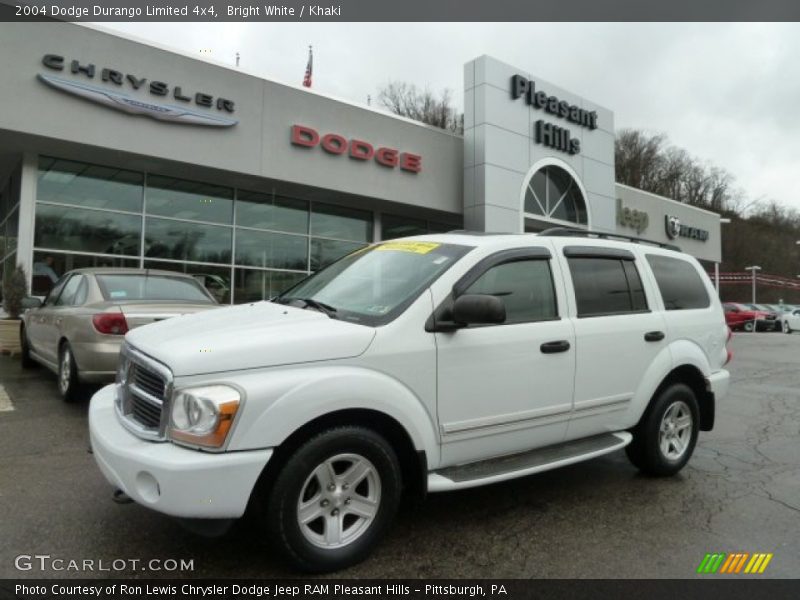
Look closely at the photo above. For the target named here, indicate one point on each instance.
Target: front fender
(279, 403)
(676, 354)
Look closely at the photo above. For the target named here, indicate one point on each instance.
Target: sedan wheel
(750, 326)
(786, 328)
(68, 384)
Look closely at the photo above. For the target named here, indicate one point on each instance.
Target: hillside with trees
(761, 232)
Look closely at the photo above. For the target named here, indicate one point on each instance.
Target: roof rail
(573, 232)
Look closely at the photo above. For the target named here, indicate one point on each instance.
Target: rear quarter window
(680, 284)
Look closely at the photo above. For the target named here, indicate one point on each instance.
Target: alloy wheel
(339, 501)
(675, 431)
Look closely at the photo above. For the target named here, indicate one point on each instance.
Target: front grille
(142, 394)
(147, 381)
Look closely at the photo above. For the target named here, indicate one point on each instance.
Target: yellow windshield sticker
(415, 247)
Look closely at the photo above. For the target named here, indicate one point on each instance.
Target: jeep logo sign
(631, 217)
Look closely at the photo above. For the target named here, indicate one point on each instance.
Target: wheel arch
(692, 376)
(413, 462)
(682, 362)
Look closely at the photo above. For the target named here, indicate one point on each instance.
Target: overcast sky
(728, 93)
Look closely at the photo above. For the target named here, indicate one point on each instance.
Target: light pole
(722, 221)
(753, 270)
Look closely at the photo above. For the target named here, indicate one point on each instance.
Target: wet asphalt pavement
(599, 519)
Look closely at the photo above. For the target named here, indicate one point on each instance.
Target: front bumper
(168, 478)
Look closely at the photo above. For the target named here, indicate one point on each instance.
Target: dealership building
(118, 153)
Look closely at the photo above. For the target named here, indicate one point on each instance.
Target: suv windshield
(152, 287)
(375, 284)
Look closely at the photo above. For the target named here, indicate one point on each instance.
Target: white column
(27, 212)
(716, 276)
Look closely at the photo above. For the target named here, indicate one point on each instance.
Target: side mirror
(31, 302)
(478, 309)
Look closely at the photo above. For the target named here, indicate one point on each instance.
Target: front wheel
(665, 438)
(25, 353)
(786, 328)
(333, 499)
(749, 326)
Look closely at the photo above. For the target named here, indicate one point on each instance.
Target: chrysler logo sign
(120, 100)
(675, 228)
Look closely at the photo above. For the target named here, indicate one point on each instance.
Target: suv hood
(249, 336)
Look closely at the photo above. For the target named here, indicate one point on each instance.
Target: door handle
(553, 347)
(653, 336)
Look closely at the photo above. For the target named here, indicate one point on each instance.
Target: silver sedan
(78, 330)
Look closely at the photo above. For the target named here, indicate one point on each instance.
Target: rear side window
(606, 286)
(152, 287)
(67, 297)
(524, 286)
(679, 282)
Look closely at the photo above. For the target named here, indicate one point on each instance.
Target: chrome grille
(143, 389)
(148, 381)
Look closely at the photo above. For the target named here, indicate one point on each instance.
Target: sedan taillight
(110, 323)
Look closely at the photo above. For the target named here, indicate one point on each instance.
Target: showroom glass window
(242, 245)
(679, 282)
(396, 226)
(606, 286)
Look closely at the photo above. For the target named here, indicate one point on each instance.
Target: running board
(525, 463)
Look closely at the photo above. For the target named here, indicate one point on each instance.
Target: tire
(333, 536)
(665, 438)
(25, 353)
(786, 328)
(68, 383)
(749, 326)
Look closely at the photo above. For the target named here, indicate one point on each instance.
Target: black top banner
(405, 10)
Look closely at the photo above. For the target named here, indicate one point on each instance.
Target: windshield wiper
(315, 304)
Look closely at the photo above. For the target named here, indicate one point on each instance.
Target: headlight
(204, 415)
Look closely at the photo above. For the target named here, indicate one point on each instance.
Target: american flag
(309, 68)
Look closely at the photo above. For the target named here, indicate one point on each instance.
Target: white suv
(428, 364)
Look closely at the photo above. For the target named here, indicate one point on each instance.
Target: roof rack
(572, 232)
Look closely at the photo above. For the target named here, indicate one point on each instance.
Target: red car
(741, 317)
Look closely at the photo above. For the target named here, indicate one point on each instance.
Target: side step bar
(526, 463)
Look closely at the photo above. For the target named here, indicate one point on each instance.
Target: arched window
(553, 193)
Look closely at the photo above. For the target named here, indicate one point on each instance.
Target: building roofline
(660, 197)
(248, 73)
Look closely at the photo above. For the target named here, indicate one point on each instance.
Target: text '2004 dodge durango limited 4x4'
(428, 364)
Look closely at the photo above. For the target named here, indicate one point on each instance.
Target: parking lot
(600, 519)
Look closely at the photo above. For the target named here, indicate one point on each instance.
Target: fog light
(148, 487)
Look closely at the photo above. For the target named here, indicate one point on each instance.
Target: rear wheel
(749, 326)
(665, 438)
(68, 383)
(333, 499)
(25, 354)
